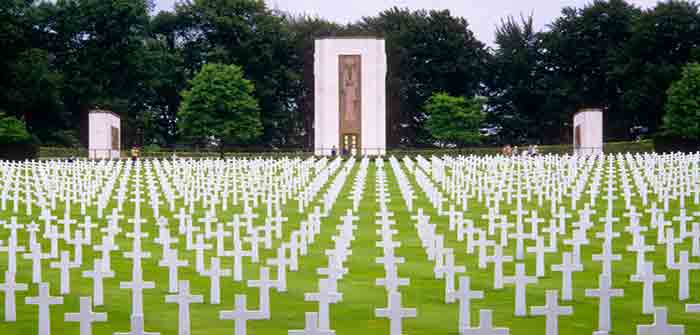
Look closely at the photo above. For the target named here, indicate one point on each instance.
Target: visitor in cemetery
(531, 150)
(507, 150)
(135, 152)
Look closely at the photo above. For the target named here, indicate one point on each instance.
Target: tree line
(60, 59)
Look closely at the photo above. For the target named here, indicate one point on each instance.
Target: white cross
(604, 292)
(241, 315)
(78, 242)
(465, 295)
(684, 266)
(199, 248)
(137, 285)
(237, 253)
(311, 326)
(264, 283)
(36, 256)
(539, 250)
(395, 313)
(64, 266)
(660, 325)
(694, 234)
(483, 242)
(281, 262)
(334, 270)
(98, 274)
(10, 287)
(485, 326)
(551, 310)
(44, 301)
(86, 316)
(215, 273)
(220, 233)
(562, 215)
(183, 299)
(567, 268)
(165, 240)
(391, 280)
(607, 257)
(137, 327)
(12, 249)
(181, 216)
(520, 236)
(32, 229)
(66, 222)
(325, 296)
(520, 280)
(448, 271)
(648, 278)
(172, 263)
(498, 259)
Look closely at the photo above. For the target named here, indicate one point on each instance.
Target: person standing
(135, 152)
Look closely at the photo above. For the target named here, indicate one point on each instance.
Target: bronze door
(350, 144)
(350, 100)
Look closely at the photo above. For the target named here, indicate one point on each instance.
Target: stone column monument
(588, 131)
(104, 135)
(350, 96)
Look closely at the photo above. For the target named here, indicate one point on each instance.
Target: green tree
(584, 52)
(247, 33)
(682, 118)
(427, 51)
(665, 39)
(97, 46)
(220, 107)
(304, 31)
(12, 130)
(518, 85)
(454, 120)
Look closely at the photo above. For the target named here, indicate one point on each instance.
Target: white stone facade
(373, 91)
(588, 132)
(105, 135)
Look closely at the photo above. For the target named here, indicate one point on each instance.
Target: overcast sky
(482, 15)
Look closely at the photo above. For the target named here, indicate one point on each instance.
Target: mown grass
(355, 314)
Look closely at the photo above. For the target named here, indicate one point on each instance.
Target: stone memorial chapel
(350, 96)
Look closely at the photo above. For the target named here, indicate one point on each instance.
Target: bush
(682, 118)
(454, 120)
(665, 143)
(220, 108)
(68, 138)
(15, 141)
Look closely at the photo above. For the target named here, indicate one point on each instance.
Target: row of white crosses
(445, 267)
(200, 187)
(571, 261)
(394, 311)
(300, 240)
(102, 266)
(318, 323)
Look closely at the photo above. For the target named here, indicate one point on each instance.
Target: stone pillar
(350, 95)
(104, 135)
(588, 131)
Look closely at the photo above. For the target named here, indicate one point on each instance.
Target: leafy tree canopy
(220, 107)
(454, 120)
(682, 117)
(12, 130)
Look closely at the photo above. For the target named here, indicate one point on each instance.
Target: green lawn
(355, 313)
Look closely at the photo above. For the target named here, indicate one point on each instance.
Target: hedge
(613, 147)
